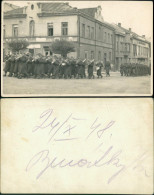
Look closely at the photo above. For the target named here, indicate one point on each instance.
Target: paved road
(107, 85)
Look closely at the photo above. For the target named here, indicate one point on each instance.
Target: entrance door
(117, 63)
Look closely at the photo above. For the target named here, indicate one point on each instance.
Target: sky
(137, 15)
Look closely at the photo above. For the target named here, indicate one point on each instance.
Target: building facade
(93, 38)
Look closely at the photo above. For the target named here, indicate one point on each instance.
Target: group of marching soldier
(134, 69)
(39, 66)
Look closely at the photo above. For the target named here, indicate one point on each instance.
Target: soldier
(39, 67)
(84, 63)
(73, 67)
(12, 65)
(49, 66)
(107, 68)
(16, 67)
(91, 69)
(7, 60)
(133, 70)
(67, 70)
(62, 65)
(122, 70)
(99, 66)
(22, 67)
(30, 65)
(80, 68)
(56, 65)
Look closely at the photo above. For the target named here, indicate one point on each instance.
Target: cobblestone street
(115, 84)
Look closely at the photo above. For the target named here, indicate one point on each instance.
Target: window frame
(13, 28)
(64, 28)
(83, 30)
(31, 34)
(50, 28)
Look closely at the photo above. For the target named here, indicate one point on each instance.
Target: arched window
(32, 28)
(32, 7)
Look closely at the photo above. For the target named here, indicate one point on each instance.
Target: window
(83, 30)
(110, 56)
(105, 57)
(15, 30)
(88, 31)
(111, 39)
(117, 46)
(121, 47)
(99, 55)
(32, 7)
(105, 36)
(92, 55)
(31, 28)
(108, 37)
(64, 28)
(50, 29)
(92, 32)
(4, 31)
(99, 33)
(128, 47)
(86, 54)
(125, 46)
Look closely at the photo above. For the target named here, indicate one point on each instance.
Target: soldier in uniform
(99, 66)
(80, 69)
(7, 60)
(30, 65)
(107, 68)
(16, 67)
(12, 65)
(91, 69)
(56, 65)
(73, 67)
(49, 66)
(22, 68)
(84, 64)
(67, 70)
(62, 65)
(122, 70)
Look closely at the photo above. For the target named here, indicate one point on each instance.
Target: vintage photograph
(77, 48)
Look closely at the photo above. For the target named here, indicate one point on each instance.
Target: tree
(16, 45)
(62, 47)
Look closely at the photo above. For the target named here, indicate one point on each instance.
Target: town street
(115, 84)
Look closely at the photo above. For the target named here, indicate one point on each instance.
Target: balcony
(125, 52)
(141, 56)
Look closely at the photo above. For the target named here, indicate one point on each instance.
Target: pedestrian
(107, 68)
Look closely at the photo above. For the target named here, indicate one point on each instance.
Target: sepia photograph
(76, 48)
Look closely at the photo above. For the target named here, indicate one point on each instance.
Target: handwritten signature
(109, 157)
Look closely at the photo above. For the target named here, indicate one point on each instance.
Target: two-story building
(43, 23)
(136, 48)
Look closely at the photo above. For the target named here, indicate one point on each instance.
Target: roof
(10, 5)
(55, 7)
(134, 35)
(89, 11)
(118, 29)
(15, 11)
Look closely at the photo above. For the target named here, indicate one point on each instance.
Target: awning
(34, 46)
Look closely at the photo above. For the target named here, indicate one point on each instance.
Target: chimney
(119, 24)
(143, 36)
(130, 29)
